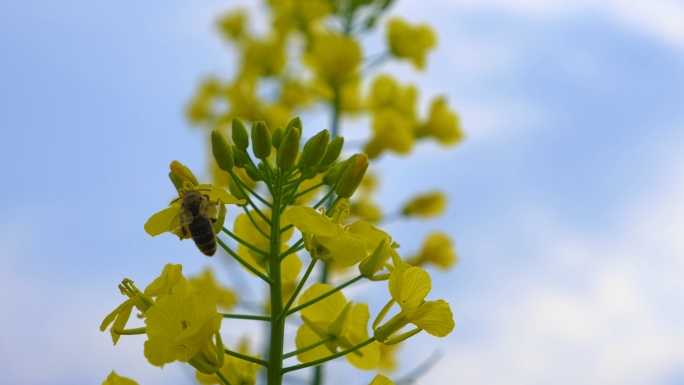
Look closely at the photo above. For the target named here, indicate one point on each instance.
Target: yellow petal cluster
(343, 323)
(437, 250)
(410, 42)
(227, 298)
(442, 124)
(426, 205)
(179, 328)
(408, 286)
(334, 58)
(381, 380)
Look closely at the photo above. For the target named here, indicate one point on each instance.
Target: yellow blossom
(171, 281)
(169, 219)
(408, 287)
(236, 371)
(325, 238)
(243, 99)
(426, 205)
(443, 124)
(263, 58)
(381, 380)
(334, 58)
(391, 131)
(438, 250)
(387, 93)
(232, 25)
(179, 327)
(115, 379)
(227, 298)
(410, 42)
(366, 210)
(343, 323)
(201, 107)
(298, 13)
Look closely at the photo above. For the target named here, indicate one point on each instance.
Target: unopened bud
(252, 172)
(222, 152)
(333, 151)
(294, 123)
(240, 136)
(240, 157)
(335, 172)
(352, 177)
(180, 173)
(277, 137)
(314, 149)
(289, 148)
(427, 205)
(261, 140)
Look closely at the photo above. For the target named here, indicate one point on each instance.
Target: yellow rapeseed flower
(388, 357)
(391, 131)
(387, 93)
(325, 238)
(232, 24)
(408, 287)
(426, 205)
(343, 323)
(334, 58)
(115, 379)
(410, 42)
(179, 327)
(443, 124)
(263, 58)
(201, 107)
(168, 219)
(437, 250)
(367, 210)
(171, 281)
(227, 298)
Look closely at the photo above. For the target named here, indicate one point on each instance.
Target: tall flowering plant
(302, 200)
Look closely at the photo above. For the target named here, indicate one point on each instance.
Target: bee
(196, 219)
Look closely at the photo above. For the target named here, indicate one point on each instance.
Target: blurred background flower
(566, 198)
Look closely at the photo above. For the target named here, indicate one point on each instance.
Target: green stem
(257, 196)
(247, 316)
(264, 217)
(298, 289)
(275, 355)
(306, 349)
(256, 226)
(328, 358)
(325, 198)
(309, 189)
(243, 262)
(130, 332)
(222, 377)
(323, 296)
(295, 248)
(245, 243)
(296, 186)
(246, 358)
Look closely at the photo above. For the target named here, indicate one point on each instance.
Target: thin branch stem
(130, 332)
(298, 289)
(331, 357)
(309, 189)
(243, 262)
(325, 198)
(257, 196)
(307, 348)
(262, 232)
(247, 316)
(295, 248)
(222, 377)
(245, 243)
(323, 296)
(246, 358)
(265, 218)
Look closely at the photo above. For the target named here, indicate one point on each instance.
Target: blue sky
(566, 200)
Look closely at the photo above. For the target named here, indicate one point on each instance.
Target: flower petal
(381, 380)
(307, 337)
(409, 287)
(435, 317)
(310, 221)
(161, 221)
(115, 379)
(370, 234)
(345, 248)
(325, 311)
(217, 193)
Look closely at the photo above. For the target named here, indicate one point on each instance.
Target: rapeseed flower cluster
(294, 208)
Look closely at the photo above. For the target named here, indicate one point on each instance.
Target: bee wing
(183, 218)
(208, 208)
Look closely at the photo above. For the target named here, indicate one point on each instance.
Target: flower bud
(352, 177)
(288, 150)
(180, 173)
(252, 172)
(314, 149)
(295, 122)
(261, 140)
(277, 137)
(240, 157)
(335, 172)
(222, 152)
(240, 136)
(333, 151)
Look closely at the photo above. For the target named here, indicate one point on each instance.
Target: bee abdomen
(203, 234)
